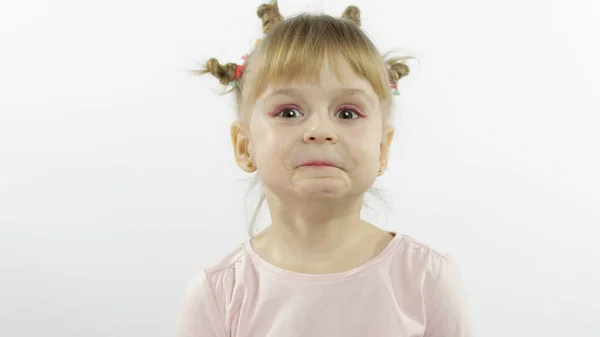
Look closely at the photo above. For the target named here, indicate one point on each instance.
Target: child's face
(339, 125)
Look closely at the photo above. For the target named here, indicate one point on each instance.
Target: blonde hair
(295, 48)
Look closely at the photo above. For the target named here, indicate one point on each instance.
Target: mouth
(318, 163)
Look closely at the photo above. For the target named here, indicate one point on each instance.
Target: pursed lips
(318, 163)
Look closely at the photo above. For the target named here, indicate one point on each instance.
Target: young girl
(314, 102)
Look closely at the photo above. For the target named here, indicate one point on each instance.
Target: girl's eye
(347, 113)
(292, 112)
(289, 113)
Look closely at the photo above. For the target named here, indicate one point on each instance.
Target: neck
(315, 227)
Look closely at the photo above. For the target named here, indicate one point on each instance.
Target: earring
(380, 170)
(249, 164)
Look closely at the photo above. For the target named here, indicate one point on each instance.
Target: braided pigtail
(270, 15)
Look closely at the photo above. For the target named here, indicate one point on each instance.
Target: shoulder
(422, 267)
(420, 254)
(437, 277)
(229, 273)
(220, 275)
(229, 261)
(203, 307)
(435, 265)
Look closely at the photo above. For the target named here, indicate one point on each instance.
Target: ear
(242, 149)
(386, 143)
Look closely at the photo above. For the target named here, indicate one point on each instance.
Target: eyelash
(280, 109)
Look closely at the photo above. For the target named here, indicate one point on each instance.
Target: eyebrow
(343, 92)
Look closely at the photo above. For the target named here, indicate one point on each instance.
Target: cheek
(268, 143)
(365, 144)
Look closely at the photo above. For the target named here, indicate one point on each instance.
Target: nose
(320, 133)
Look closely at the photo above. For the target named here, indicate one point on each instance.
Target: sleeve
(446, 308)
(198, 315)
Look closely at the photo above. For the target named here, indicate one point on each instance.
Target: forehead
(334, 76)
(312, 92)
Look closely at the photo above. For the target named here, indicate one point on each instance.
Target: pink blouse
(408, 290)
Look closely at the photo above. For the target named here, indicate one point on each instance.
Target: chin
(316, 186)
(324, 189)
(322, 194)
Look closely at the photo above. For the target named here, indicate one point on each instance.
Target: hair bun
(269, 14)
(397, 67)
(224, 73)
(352, 13)
(399, 70)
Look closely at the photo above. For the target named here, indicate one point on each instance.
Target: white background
(117, 178)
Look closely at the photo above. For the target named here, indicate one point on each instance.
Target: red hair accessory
(240, 68)
(238, 72)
